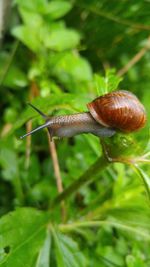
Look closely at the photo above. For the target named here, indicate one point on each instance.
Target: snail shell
(120, 110)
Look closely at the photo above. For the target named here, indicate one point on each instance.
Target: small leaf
(57, 9)
(72, 66)
(67, 251)
(14, 77)
(130, 260)
(135, 225)
(28, 36)
(62, 39)
(9, 162)
(145, 178)
(112, 80)
(36, 6)
(31, 18)
(140, 230)
(108, 83)
(136, 261)
(100, 85)
(44, 255)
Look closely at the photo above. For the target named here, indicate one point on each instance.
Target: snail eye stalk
(39, 111)
(35, 130)
(40, 127)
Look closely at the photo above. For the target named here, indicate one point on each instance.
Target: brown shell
(119, 109)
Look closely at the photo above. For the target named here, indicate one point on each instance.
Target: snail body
(118, 110)
(70, 125)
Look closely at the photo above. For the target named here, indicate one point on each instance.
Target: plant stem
(53, 153)
(135, 59)
(145, 179)
(117, 224)
(8, 64)
(18, 190)
(88, 177)
(111, 17)
(33, 92)
(28, 145)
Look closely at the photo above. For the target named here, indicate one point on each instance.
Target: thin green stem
(144, 178)
(88, 177)
(110, 16)
(87, 224)
(18, 190)
(6, 68)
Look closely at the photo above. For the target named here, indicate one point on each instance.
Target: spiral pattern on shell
(120, 110)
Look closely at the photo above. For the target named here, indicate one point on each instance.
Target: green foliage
(67, 251)
(22, 234)
(54, 9)
(108, 83)
(59, 55)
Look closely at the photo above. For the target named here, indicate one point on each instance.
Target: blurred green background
(60, 55)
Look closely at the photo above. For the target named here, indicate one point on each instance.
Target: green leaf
(62, 39)
(100, 85)
(9, 162)
(135, 261)
(57, 9)
(139, 229)
(130, 260)
(145, 178)
(67, 251)
(131, 225)
(28, 36)
(14, 76)
(31, 18)
(22, 234)
(72, 66)
(32, 32)
(44, 255)
(112, 80)
(36, 6)
(108, 83)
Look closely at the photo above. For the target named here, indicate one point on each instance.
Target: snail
(116, 111)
